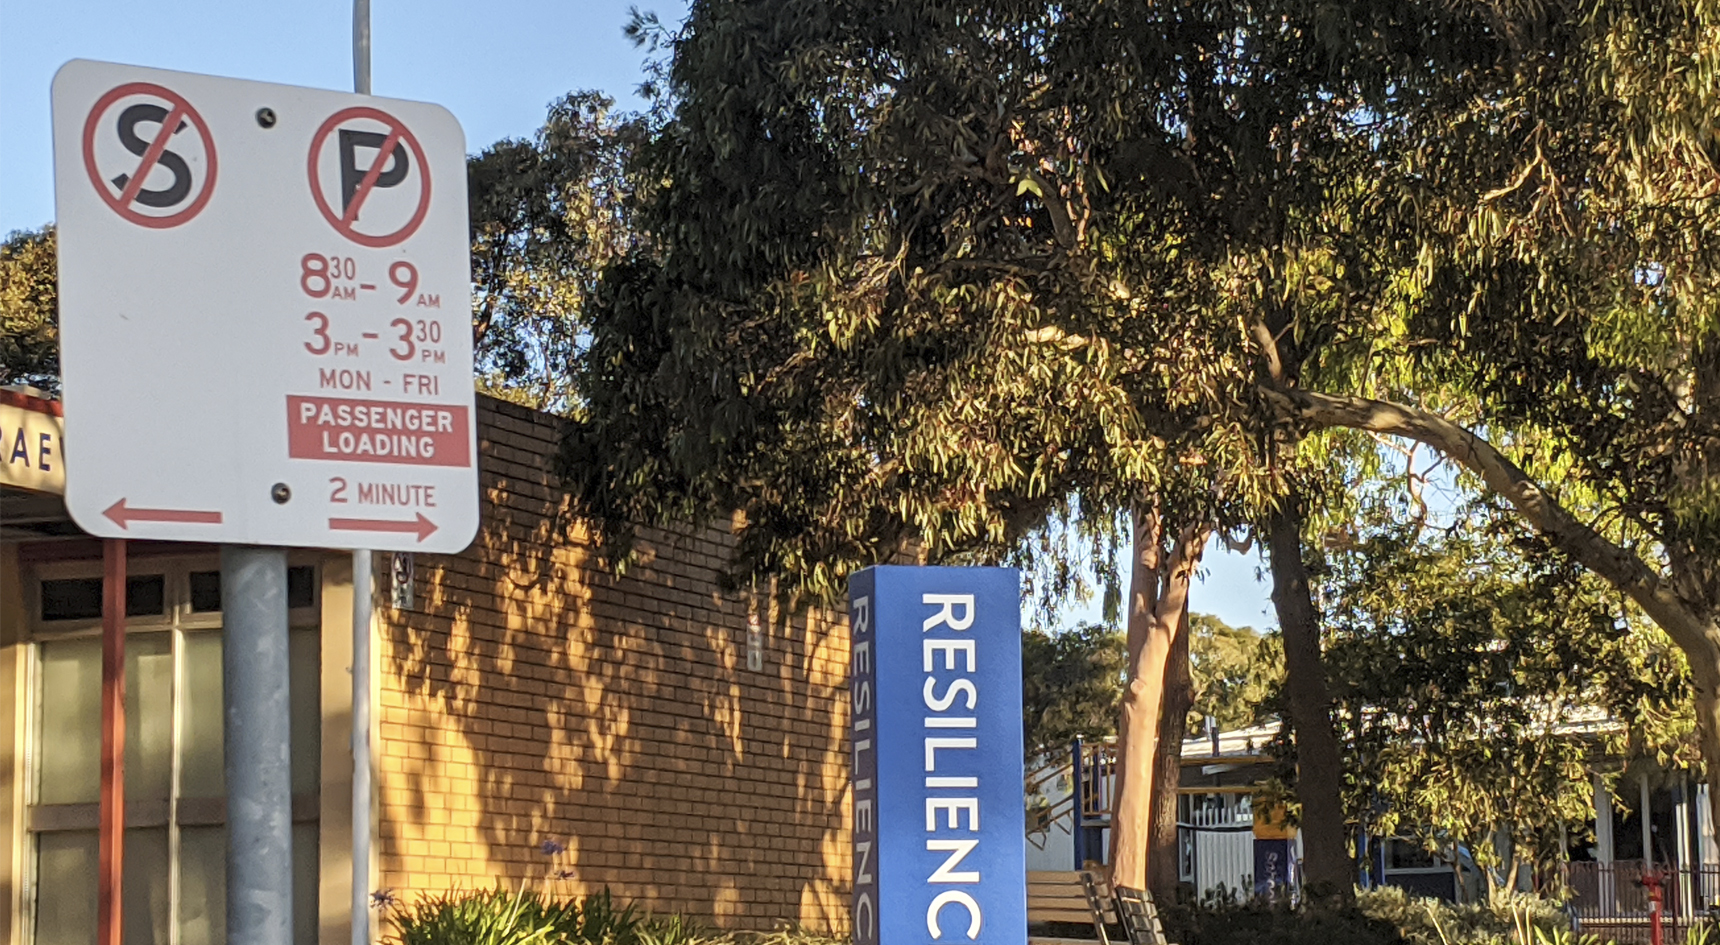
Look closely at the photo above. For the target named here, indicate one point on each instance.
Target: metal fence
(1215, 843)
(1611, 900)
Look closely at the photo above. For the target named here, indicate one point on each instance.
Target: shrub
(1509, 919)
(498, 917)
(491, 917)
(1222, 922)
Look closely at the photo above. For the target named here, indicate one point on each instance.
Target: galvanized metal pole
(361, 46)
(362, 586)
(255, 673)
(361, 596)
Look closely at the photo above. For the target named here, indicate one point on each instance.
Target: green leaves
(29, 311)
(548, 215)
(1071, 685)
(1477, 675)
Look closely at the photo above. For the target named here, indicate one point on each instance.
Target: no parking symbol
(149, 154)
(369, 176)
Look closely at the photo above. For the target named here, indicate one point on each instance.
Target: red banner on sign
(377, 431)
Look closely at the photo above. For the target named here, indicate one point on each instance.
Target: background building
(538, 719)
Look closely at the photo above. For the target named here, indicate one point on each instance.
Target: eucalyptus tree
(1479, 674)
(29, 310)
(935, 271)
(548, 214)
(1554, 207)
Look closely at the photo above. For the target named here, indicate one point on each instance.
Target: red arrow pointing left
(123, 516)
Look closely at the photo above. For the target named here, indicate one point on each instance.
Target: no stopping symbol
(369, 176)
(149, 155)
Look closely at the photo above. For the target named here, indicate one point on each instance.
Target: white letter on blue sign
(950, 648)
(947, 616)
(958, 850)
(933, 744)
(959, 686)
(945, 898)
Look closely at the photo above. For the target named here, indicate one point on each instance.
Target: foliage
(1235, 670)
(1477, 673)
(1506, 920)
(497, 917)
(1072, 681)
(29, 310)
(547, 216)
(493, 917)
(1223, 921)
(1071, 684)
(875, 310)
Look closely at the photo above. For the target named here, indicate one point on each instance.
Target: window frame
(177, 620)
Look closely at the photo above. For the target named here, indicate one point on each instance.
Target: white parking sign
(264, 298)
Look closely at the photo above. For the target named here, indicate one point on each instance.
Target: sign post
(939, 823)
(363, 589)
(264, 295)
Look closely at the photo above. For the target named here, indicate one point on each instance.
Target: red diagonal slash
(370, 176)
(153, 155)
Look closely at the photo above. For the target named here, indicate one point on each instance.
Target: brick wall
(531, 696)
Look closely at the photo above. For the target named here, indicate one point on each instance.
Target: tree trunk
(1139, 710)
(1158, 596)
(1705, 679)
(1328, 871)
(1167, 765)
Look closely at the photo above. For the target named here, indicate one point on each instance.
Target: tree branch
(1617, 565)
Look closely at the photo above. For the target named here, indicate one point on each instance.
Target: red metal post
(112, 842)
(1652, 879)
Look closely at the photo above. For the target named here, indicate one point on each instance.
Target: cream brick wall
(531, 696)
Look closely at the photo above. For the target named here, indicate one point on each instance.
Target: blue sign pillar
(939, 820)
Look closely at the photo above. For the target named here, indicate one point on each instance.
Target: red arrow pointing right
(422, 527)
(122, 516)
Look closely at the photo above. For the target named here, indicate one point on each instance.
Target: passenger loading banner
(939, 831)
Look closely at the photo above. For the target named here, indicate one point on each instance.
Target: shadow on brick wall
(531, 696)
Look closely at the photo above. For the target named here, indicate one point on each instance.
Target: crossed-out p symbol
(369, 177)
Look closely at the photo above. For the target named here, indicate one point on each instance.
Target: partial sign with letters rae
(264, 305)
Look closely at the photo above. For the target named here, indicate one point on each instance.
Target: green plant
(674, 929)
(1218, 922)
(490, 917)
(600, 923)
(527, 917)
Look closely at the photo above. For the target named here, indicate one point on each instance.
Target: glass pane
(201, 757)
(145, 596)
(306, 696)
(202, 885)
(148, 716)
(305, 884)
(205, 591)
(146, 907)
(69, 765)
(66, 888)
(301, 586)
(81, 598)
(72, 599)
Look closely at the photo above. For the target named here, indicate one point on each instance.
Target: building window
(176, 845)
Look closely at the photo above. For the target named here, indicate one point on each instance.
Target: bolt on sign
(264, 307)
(939, 825)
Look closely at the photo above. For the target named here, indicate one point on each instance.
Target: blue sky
(495, 65)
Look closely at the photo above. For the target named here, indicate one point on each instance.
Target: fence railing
(1610, 898)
